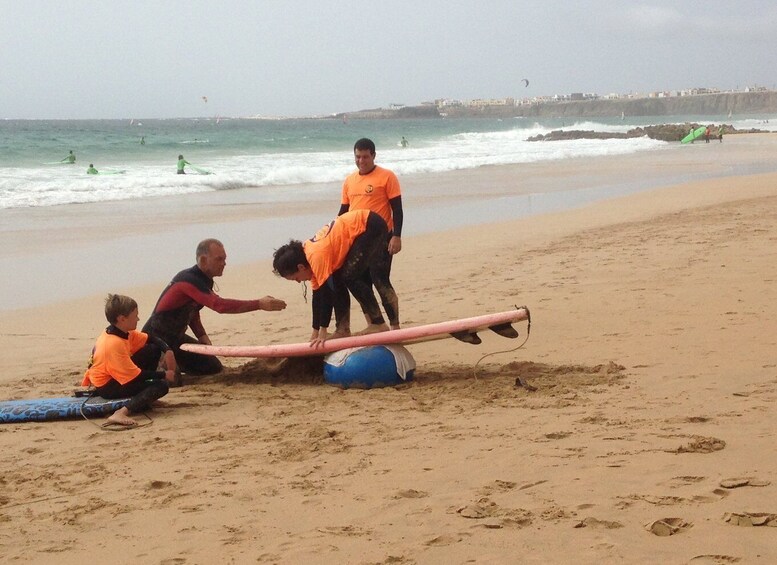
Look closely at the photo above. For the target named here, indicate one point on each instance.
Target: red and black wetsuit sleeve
(180, 304)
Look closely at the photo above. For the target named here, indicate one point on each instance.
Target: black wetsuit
(366, 264)
(177, 309)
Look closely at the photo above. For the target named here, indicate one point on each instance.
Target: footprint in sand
(493, 516)
(714, 560)
(445, 539)
(701, 444)
(596, 523)
(749, 519)
(410, 493)
(497, 486)
(684, 480)
(744, 482)
(348, 531)
(668, 526)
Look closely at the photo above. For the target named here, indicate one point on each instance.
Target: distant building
(447, 102)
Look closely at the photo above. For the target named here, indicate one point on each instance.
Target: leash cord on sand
(528, 332)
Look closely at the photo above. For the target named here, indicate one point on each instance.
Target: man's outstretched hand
(271, 304)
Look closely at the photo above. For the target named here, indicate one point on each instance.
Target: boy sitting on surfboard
(125, 362)
(345, 255)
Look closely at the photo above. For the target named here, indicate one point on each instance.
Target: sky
(287, 58)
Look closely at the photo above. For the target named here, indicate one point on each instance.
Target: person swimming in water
(70, 159)
(91, 170)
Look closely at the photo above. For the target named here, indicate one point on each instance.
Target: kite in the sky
(205, 99)
(526, 80)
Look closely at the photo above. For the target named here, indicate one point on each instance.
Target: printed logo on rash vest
(323, 232)
(369, 189)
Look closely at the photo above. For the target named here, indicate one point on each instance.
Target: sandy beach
(648, 438)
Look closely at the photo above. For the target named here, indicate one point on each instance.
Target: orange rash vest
(372, 192)
(326, 251)
(111, 358)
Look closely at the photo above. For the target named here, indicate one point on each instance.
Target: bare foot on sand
(120, 418)
(373, 329)
(345, 332)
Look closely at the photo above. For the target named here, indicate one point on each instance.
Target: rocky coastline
(663, 132)
(738, 103)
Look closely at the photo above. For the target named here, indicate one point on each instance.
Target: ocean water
(57, 222)
(274, 154)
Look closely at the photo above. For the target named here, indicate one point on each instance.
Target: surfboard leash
(528, 332)
(91, 394)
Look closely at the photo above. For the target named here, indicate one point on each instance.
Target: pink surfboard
(465, 330)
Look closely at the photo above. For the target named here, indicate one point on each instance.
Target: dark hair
(118, 305)
(363, 144)
(287, 258)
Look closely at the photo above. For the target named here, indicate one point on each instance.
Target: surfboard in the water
(694, 134)
(465, 330)
(43, 409)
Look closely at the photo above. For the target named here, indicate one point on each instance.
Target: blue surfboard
(45, 409)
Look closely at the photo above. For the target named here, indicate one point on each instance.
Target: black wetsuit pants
(368, 263)
(142, 392)
(195, 363)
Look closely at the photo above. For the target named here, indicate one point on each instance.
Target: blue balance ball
(366, 367)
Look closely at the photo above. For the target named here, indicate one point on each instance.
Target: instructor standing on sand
(178, 308)
(374, 188)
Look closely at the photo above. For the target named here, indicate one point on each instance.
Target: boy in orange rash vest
(345, 255)
(124, 362)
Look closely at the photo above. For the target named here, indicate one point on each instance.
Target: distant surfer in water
(91, 170)
(142, 139)
(404, 142)
(128, 363)
(70, 159)
(348, 254)
(179, 305)
(181, 164)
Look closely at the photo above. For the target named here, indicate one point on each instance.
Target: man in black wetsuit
(179, 305)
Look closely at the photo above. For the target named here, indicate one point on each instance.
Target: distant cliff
(702, 104)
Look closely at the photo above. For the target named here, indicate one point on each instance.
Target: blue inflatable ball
(369, 367)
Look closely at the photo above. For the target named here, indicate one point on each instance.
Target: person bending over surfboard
(180, 303)
(126, 362)
(345, 255)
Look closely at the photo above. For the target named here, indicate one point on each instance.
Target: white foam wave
(48, 186)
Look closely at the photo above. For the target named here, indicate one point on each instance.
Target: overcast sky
(147, 59)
